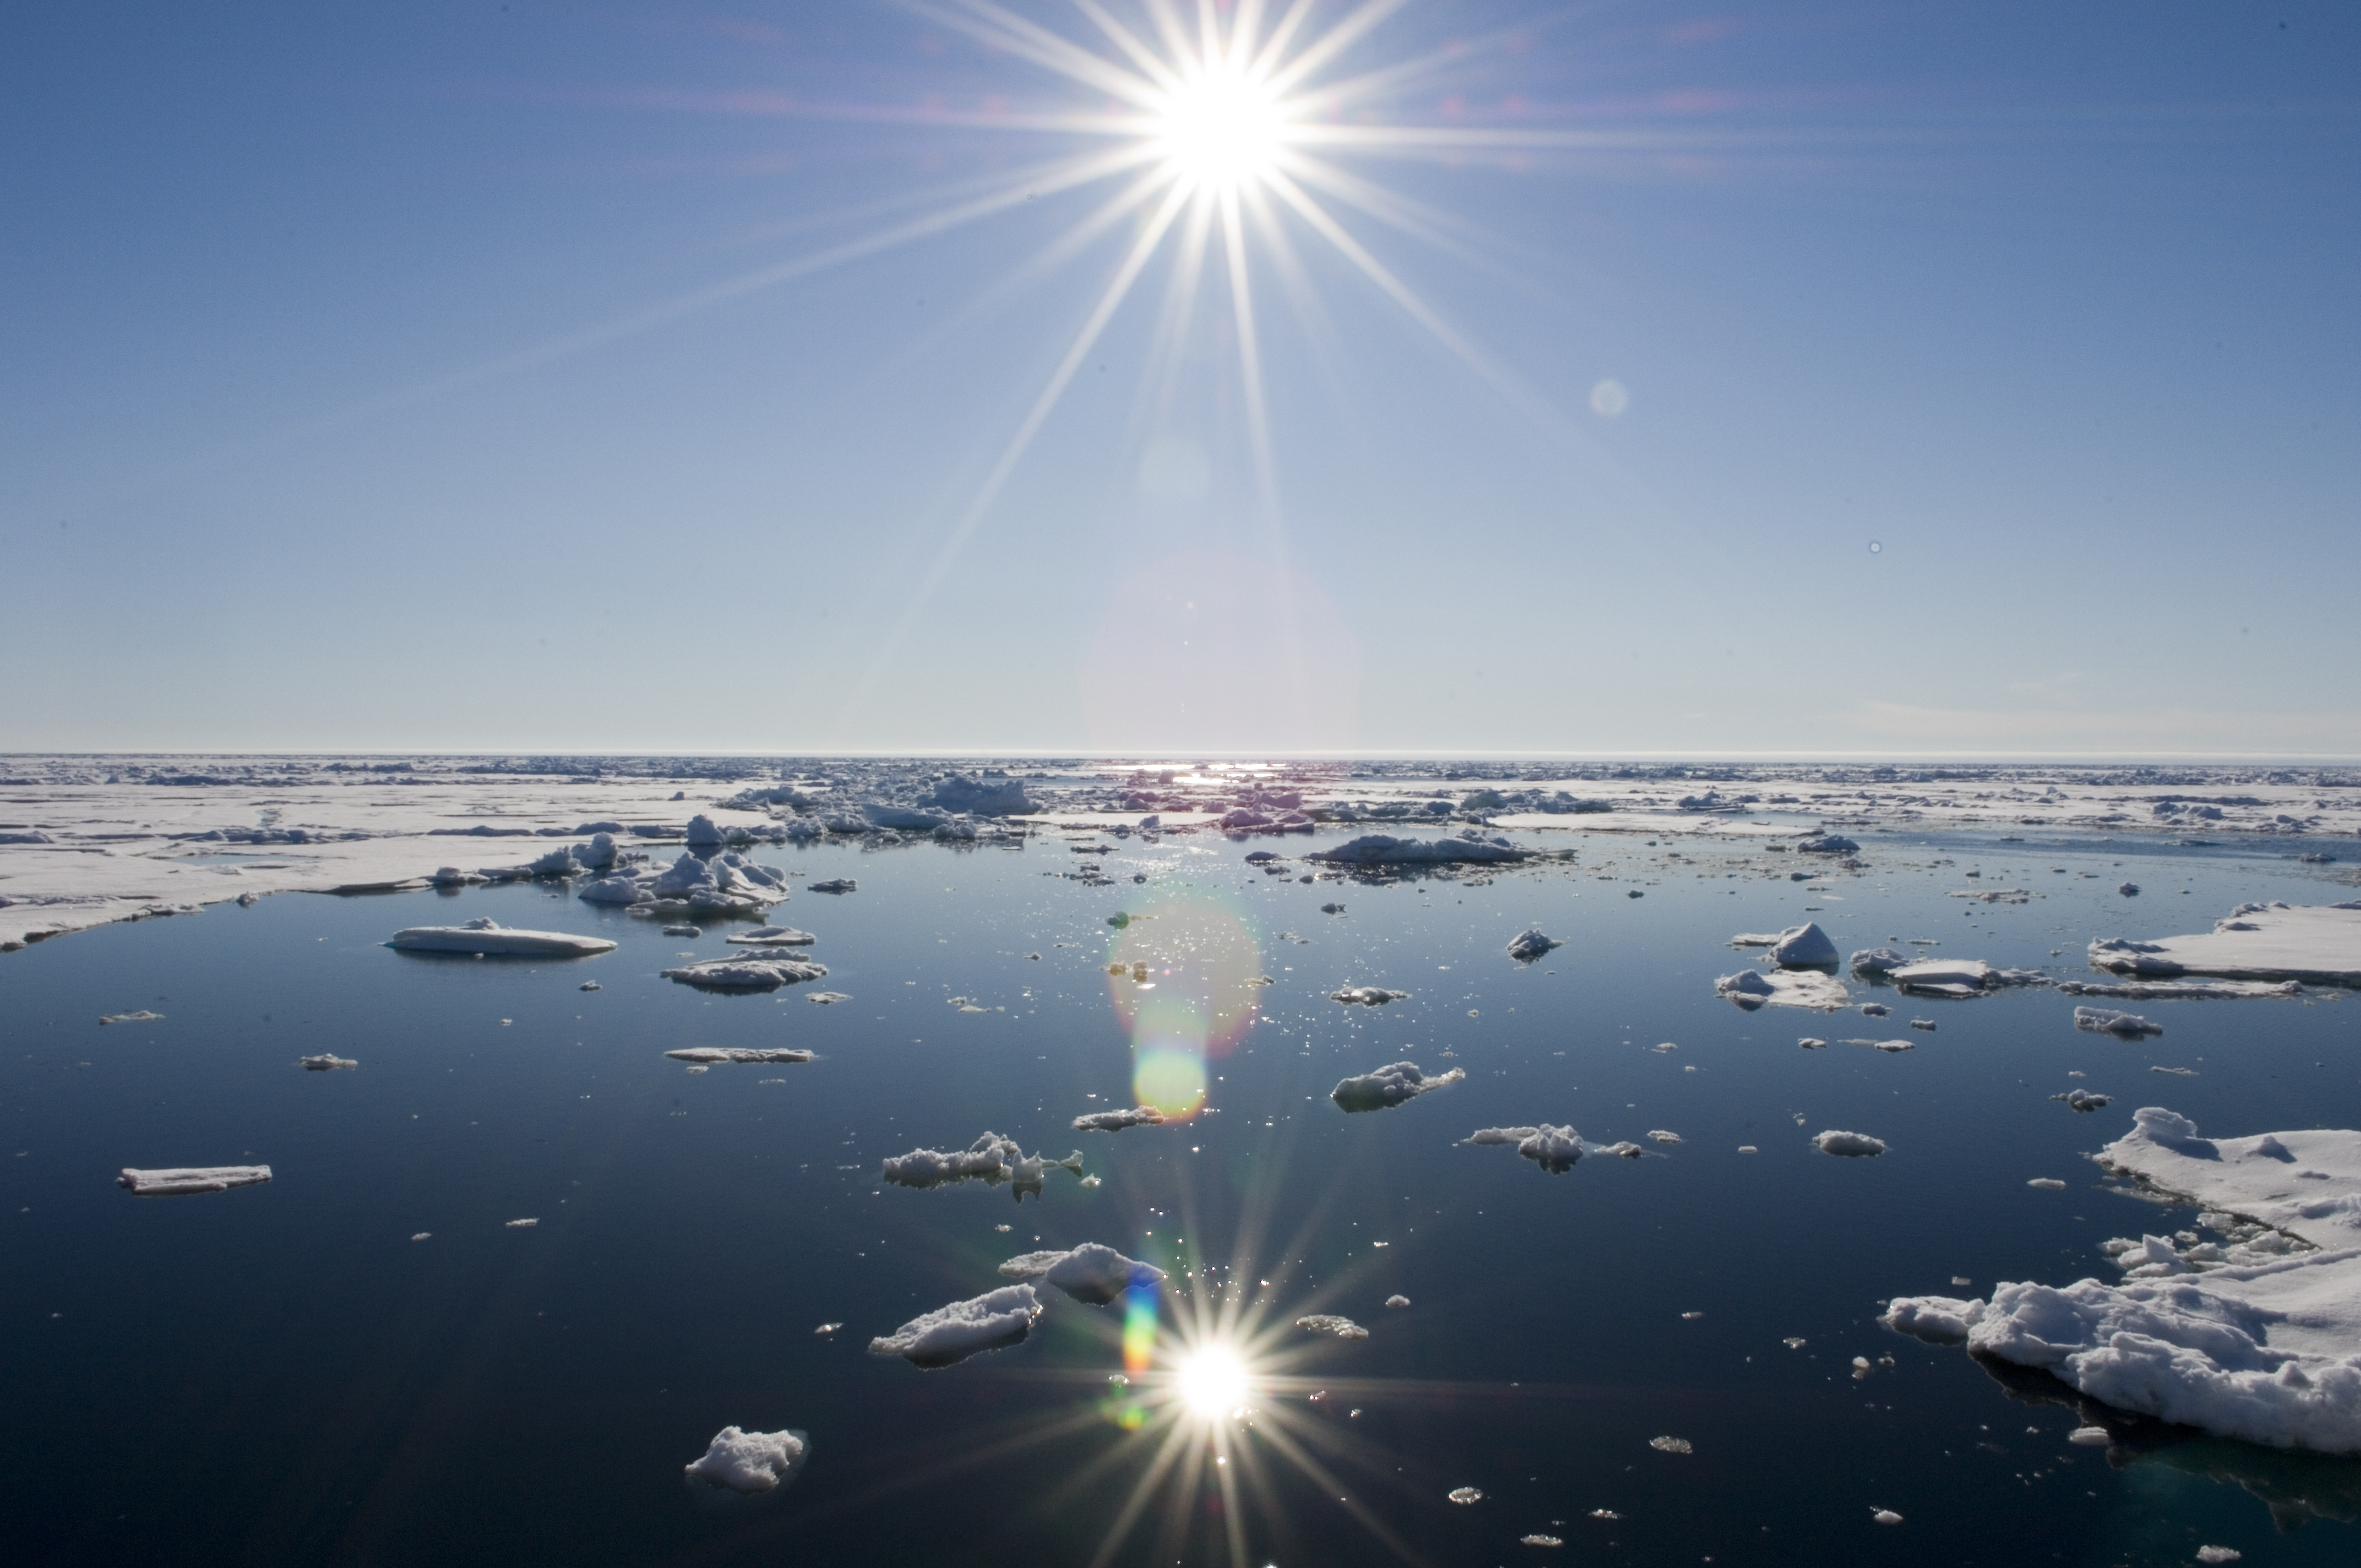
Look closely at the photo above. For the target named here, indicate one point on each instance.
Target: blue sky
(456, 377)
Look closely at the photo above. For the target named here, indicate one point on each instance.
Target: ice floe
(485, 936)
(1090, 1273)
(1797, 946)
(714, 1054)
(772, 937)
(1530, 944)
(1116, 1120)
(1464, 1496)
(2107, 1021)
(1397, 1301)
(1329, 1323)
(142, 1017)
(1367, 996)
(748, 972)
(184, 1181)
(2318, 943)
(1854, 1144)
(983, 796)
(949, 1335)
(1382, 849)
(751, 1462)
(2307, 1183)
(1881, 961)
(1554, 1149)
(991, 1159)
(1960, 978)
(2181, 990)
(326, 1061)
(1390, 1086)
(835, 884)
(2081, 1100)
(1813, 990)
(1827, 844)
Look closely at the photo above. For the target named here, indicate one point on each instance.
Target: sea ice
(325, 1062)
(2181, 990)
(991, 1159)
(1389, 1086)
(1530, 944)
(710, 1054)
(1850, 1144)
(1825, 844)
(983, 796)
(2306, 1182)
(1397, 1301)
(2081, 1100)
(182, 1180)
(2107, 1021)
(484, 936)
(1380, 849)
(836, 884)
(751, 1462)
(2318, 943)
(772, 937)
(1328, 1324)
(949, 1335)
(1116, 1120)
(1881, 961)
(622, 888)
(1090, 1273)
(142, 1017)
(1464, 1496)
(1367, 996)
(1554, 1149)
(1814, 990)
(767, 972)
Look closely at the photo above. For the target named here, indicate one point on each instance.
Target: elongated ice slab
(1090, 1273)
(1366, 995)
(1329, 1323)
(1383, 849)
(2182, 990)
(326, 1061)
(711, 1055)
(485, 936)
(949, 1335)
(2107, 1021)
(1855, 1145)
(751, 1462)
(142, 1017)
(991, 1159)
(2319, 943)
(184, 1181)
(1813, 990)
(772, 937)
(1116, 1120)
(748, 973)
(1390, 1086)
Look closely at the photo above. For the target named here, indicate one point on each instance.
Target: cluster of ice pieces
(1554, 1149)
(991, 1159)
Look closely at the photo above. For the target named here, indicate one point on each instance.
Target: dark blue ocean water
(281, 1375)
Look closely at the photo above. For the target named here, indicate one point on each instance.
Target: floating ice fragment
(2089, 1437)
(713, 1054)
(1367, 996)
(2319, 943)
(1328, 1324)
(750, 1462)
(772, 937)
(2107, 1021)
(485, 935)
(2048, 1184)
(1397, 1301)
(522, 1224)
(423, 1235)
(1874, 1010)
(991, 1159)
(828, 998)
(1538, 1539)
(1090, 1273)
(1748, 1148)
(1464, 1494)
(1389, 1086)
(1887, 1515)
(1804, 946)
(1852, 1145)
(589, 985)
(326, 1061)
(836, 884)
(1671, 1445)
(681, 931)
(1812, 989)
(1116, 1120)
(949, 1335)
(1530, 944)
(2081, 1100)
(183, 1180)
(2182, 990)
(826, 1329)
(1825, 844)
(2217, 1555)
(1880, 960)
(766, 973)
(142, 1017)
(1660, 1136)
(1810, 1043)
(2176, 1072)
(1795, 1341)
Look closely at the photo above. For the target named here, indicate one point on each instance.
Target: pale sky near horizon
(1726, 378)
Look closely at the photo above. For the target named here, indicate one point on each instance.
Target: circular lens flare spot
(1170, 1076)
(1211, 1382)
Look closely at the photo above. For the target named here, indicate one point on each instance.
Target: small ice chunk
(710, 1054)
(1397, 1301)
(751, 1462)
(2211, 1555)
(1390, 1086)
(1804, 946)
(1539, 1539)
(765, 973)
(1486, 1136)
(683, 930)
(1874, 1010)
(1825, 844)
(1554, 1149)
(182, 1180)
(991, 1159)
(2048, 1184)
(2107, 1021)
(1379, 849)
(828, 998)
(1814, 989)
(1939, 1320)
(142, 1017)
(522, 1224)
(326, 1061)
(423, 1235)
(772, 937)
(1881, 961)
(1886, 1516)
(1852, 1145)
(1465, 1495)
(1328, 1324)
(1090, 1273)
(1116, 1120)
(2089, 1437)
(2081, 1100)
(1811, 1043)
(836, 884)
(1367, 996)
(1671, 1445)
(949, 1335)
(1530, 944)
(486, 936)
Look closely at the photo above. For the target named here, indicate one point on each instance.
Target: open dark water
(281, 1375)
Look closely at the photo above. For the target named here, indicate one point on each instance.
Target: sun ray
(1348, 31)
(1002, 29)
(1274, 47)
(1152, 64)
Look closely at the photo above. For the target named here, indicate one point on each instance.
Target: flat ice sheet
(2305, 1182)
(180, 1182)
(486, 936)
(2318, 943)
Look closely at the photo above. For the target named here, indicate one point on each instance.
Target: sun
(1211, 1381)
(1221, 129)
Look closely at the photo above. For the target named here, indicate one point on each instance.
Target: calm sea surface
(282, 1374)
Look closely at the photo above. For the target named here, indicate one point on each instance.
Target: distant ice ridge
(1814, 990)
(2317, 943)
(180, 1182)
(991, 1159)
(1554, 1149)
(485, 936)
(1382, 849)
(2265, 1348)
(949, 1335)
(1390, 1086)
(1089, 1273)
(751, 1462)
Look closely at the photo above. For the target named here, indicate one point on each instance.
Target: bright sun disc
(1211, 1381)
(1222, 130)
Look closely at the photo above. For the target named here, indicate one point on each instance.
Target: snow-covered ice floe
(2081, 1100)
(836, 884)
(949, 1335)
(1116, 1120)
(1854, 1144)
(1960, 978)
(141, 1016)
(1554, 1149)
(1797, 946)
(1530, 944)
(1366, 995)
(772, 937)
(1881, 961)
(2264, 1347)
(485, 936)
(1390, 1086)
(713, 1055)
(991, 1159)
(2318, 943)
(1383, 849)
(184, 1181)
(326, 1061)
(1815, 990)
(1089, 1273)
(2181, 990)
(751, 1462)
(1329, 1323)
(747, 972)
(2107, 1021)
